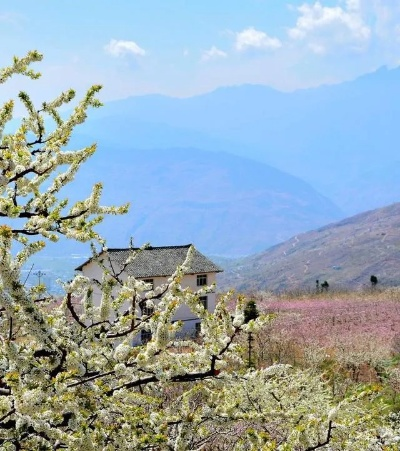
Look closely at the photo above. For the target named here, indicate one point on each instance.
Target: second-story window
(204, 301)
(201, 280)
(147, 310)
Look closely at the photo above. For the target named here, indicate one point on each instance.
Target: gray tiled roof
(160, 261)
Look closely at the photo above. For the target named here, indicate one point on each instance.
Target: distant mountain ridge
(344, 253)
(224, 204)
(339, 138)
(205, 172)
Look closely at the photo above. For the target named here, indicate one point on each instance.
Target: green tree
(250, 311)
(374, 281)
(325, 286)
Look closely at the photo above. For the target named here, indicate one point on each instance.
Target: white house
(155, 265)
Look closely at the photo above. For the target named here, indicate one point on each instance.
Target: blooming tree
(70, 377)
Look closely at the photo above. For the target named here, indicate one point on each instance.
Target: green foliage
(250, 311)
(374, 280)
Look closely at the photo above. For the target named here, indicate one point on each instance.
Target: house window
(197, 328)
(150, 282)
(201, 280)
(146, 311)
(204, 301)
(145, 336)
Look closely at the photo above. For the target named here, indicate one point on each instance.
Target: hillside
(224, 204)
(345, 254)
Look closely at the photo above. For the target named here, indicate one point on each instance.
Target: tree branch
(326, 442)
(73, 312)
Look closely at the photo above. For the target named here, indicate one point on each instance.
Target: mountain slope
(224, 204)
(345, 254)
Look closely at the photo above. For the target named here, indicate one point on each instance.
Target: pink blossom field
(353, 328)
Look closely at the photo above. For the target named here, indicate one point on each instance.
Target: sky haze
(183, 48)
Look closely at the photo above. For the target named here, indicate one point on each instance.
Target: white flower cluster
(70, 374)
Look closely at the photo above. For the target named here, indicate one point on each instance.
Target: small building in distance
(155, 265)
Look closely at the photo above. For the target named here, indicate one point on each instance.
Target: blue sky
(186, 47)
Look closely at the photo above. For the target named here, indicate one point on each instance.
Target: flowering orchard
(69, 375)
(356, 333)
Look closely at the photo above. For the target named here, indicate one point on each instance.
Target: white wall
(184, 314)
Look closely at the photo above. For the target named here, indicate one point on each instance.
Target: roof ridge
(116, 249)
(158, 261)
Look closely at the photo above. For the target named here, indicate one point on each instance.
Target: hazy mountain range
(339, 138)
(243, 168)
(224, 204)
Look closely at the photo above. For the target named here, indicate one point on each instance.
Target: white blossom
(72, 374)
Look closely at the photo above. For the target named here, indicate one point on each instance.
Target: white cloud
(213, 53)
(353, 5)
(250, 38)
(386, 18)
(121, 48)
(318, 49)
(324, 27)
